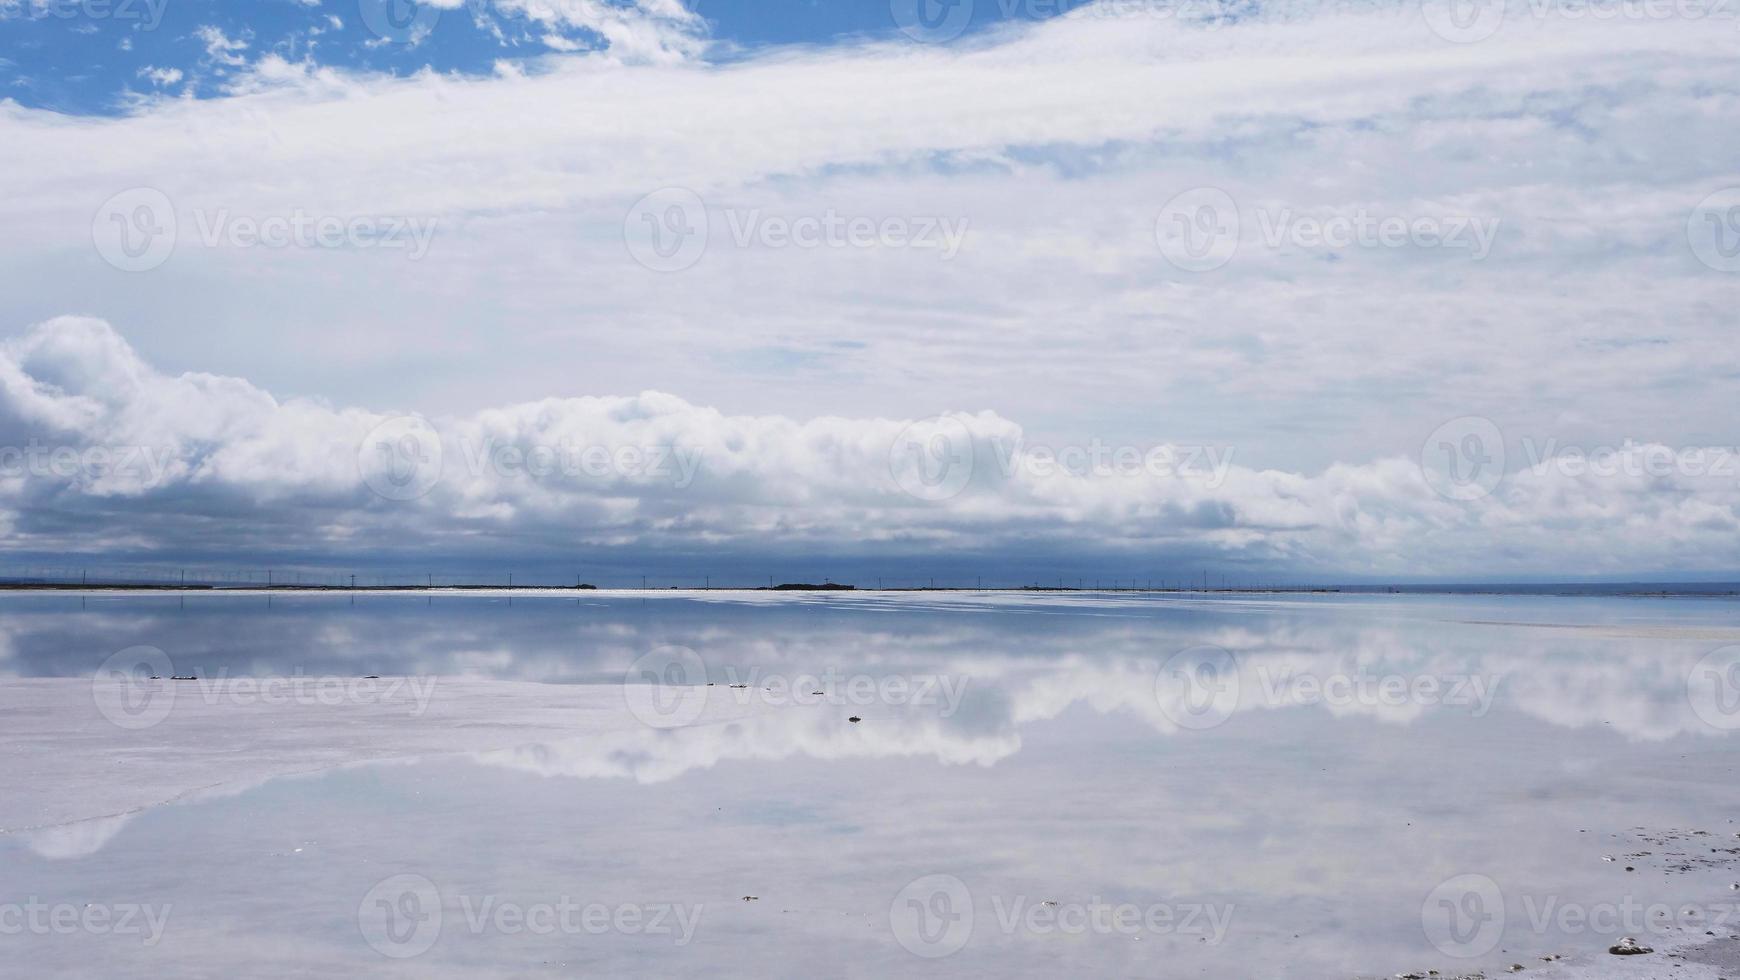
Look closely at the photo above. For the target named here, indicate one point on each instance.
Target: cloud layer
(1524, 233)
(100, 451)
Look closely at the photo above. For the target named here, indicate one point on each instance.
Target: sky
(1134, 289)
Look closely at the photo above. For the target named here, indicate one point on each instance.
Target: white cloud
(655, 31)
(220, 48)
(656, 473)
(161, 77)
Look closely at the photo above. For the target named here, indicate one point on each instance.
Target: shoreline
(121, 588)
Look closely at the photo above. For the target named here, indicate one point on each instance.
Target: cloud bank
(100, 451)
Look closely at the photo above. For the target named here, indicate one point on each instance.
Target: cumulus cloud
(101, 447)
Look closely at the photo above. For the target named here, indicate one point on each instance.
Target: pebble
(1628, 947)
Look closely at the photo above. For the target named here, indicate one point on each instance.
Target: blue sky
(97, 56)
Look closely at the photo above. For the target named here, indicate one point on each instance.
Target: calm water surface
(1288, 786)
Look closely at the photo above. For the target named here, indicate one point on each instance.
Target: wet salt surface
(1055, 803)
